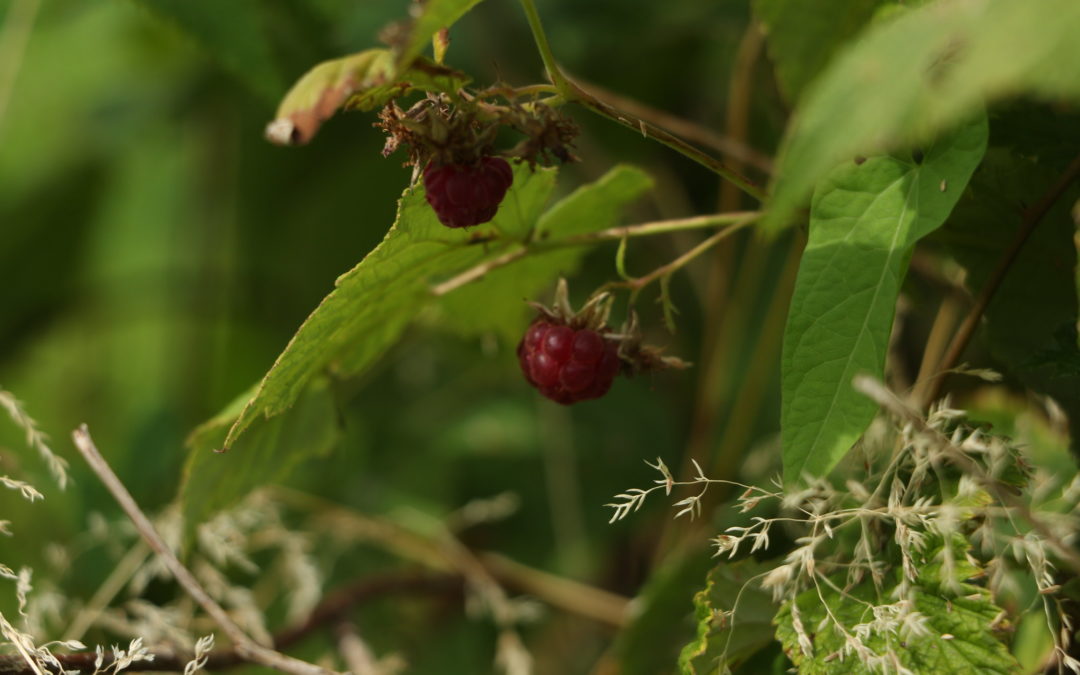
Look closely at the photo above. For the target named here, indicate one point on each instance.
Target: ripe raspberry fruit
(567, 365)
(466, 195)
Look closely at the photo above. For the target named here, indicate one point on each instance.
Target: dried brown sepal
(593, 315)
(435, 131)
(636, 356)
(549, 135)
(640, 357)
(462, 129)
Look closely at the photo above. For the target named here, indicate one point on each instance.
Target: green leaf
(214, 481)
(734, 618)
(434, 15)
(370, 307)
(802, 37)
(1041, 350)
(497, 302)
(958, 619)
(362, 81)
(910, 78)
(373, 302)
(233, 32)
(864, 222)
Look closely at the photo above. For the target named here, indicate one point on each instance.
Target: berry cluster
(464, 195)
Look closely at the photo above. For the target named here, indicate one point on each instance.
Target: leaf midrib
(814, 448)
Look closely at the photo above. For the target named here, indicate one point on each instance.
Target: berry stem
(661, 227)
(735, 220)
(639, 283)
(572, 92)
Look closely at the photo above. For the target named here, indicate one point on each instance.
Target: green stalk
(572, 92)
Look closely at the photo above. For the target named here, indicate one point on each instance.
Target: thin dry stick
(334, 607)
(354, 651)
(246, 647)
(740, 94)
(572, 92)
(731, 146)
(1031, 219)
(649, 130)
(565, 594)
(18, 24)
(479, 272)
(117, 579)
(936, 344)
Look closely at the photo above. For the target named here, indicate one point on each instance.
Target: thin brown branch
(333, 608)
(571, 596)
(356, 654)
(245, 646)
(1031, 219)
(649, 130)
(479, 272)
(14, 36)
(566, 594)
(731, 147)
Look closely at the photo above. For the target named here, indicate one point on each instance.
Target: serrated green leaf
(232, 32)
(912, 77)
(374, 302)
(434, 15)
(650, 643)
(959, 621)
(725, 639)
(497, 302)
(266, 455)
(802, 36)
(864, 222)
(361, 81)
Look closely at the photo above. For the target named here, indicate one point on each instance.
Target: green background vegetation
(158, 254)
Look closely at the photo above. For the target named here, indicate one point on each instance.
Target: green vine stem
(574, 93)
(638, 283)
(735, 221)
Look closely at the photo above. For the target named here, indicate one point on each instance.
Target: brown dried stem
(332, 609)
(244, 645)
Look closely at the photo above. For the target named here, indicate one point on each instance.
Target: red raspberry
(465, 195)
(565, 364)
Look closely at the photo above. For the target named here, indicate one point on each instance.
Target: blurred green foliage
(158, 255)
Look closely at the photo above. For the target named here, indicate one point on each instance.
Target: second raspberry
(568, 365)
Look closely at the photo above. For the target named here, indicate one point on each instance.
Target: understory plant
(870, 424)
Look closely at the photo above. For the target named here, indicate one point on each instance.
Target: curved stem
(649, 130)
(737, 220)
(546, 54)
(682, 261)
(572, 92)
